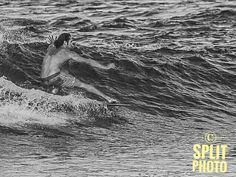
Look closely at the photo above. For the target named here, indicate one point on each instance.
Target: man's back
(53, 61)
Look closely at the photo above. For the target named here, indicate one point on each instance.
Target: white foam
(15, 115)
(22, 106)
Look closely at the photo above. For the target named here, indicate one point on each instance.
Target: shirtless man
(57, 54)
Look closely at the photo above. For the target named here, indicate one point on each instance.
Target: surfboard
(117, 104)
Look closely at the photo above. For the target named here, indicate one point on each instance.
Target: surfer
(53, 74)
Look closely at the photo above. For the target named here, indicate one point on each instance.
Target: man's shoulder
(65, 50)
(51, 49)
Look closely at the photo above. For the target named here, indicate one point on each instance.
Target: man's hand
(111, 66)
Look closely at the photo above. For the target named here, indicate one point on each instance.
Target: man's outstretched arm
(78, 58)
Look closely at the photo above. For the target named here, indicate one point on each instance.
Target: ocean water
(175, 68)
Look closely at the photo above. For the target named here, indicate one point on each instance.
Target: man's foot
(112, 101)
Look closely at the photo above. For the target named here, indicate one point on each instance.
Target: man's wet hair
(60, 40)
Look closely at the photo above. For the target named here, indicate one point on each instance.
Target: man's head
(64, 37)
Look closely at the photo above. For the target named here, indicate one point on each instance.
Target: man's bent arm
(78, 58)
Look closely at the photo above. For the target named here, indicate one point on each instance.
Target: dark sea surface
(175, 67)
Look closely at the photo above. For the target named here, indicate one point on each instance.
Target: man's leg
(92, 89)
